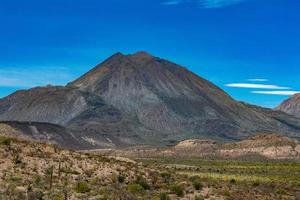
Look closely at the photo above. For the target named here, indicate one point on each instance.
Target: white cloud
(256, 86)
(258, 80)
(284, 93)
(27, 77)
(169, 3)
(205, 3)
(218, 3)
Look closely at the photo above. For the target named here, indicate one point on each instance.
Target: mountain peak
(141, 55)
(117, 56)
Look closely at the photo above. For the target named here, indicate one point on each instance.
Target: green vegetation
(5, 141)
(177, 189)
(164, 196)
(82, 187)
(135, 189)
(121, 178)
(269, 179)
(196, 181)
(199, 197)
(269, 171)
(143, 182)
(167, 177)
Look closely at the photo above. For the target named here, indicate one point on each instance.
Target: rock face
(141, 99)
(291, 106)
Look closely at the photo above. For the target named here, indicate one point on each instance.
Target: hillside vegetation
(31, 170)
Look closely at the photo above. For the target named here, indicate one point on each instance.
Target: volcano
(140, 99)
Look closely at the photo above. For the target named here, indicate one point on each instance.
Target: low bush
(136, 189)
(143, 182)
(233, 181)
(178, 190)
(166, 177)
(82, 187)
(199, 197)
(164, 196)
(58, 198)
(197, 184)
(121, 178)
(6, 141)
(281, 191)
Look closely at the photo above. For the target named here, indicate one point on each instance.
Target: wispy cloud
(218, 3)
(258, 80)
(204, 3)
(256, 86)
(284, 93)
(169, 3)
(31, 77)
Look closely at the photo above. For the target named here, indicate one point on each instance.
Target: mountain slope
(141, 99)
(168, 98)
(43, 132)
(47, 104)
(291, 106)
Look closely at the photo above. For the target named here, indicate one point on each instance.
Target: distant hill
(259, 147)
(291, 106)
(140, 99)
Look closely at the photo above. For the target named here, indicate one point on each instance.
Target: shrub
(135, 189)
(89, 172)
(49, 173)
(143, 182)
(233, 181)
(58, 198)
(281, 191)
(166, 177)
(255, 184)
(199, 197)
(37, 195)
(82, 187)
(164, 196)
(37, 180)
(121, 178)
(6, 141)
(178, 190)
(197, 184)
(17, 160)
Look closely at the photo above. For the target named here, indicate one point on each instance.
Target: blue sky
(249, 48)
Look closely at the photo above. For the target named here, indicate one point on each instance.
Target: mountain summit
(141, 99)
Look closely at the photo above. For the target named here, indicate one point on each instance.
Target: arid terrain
(263, 145)
(33, 170)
